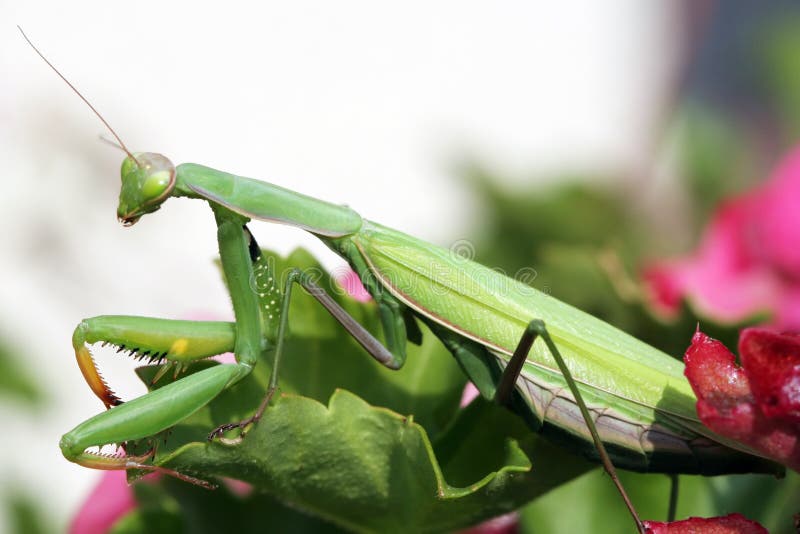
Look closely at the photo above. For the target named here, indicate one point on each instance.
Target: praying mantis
(608, 395)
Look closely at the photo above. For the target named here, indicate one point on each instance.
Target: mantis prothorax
(611, 396)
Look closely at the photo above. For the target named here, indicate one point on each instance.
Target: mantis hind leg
(374, 347)
(505, 389)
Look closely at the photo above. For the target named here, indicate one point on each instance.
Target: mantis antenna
(110, 129)
(111, 142)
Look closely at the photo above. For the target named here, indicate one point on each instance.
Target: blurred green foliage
(16, 383)
(586, 244)
(777, 50)
(26, 514)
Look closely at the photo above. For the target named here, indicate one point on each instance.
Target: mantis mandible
(609, 395)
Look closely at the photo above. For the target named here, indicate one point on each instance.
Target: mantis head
(147, 181)
(147, 178)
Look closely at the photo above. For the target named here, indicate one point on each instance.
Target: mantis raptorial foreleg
(157, 340)
(234, 253)
(536, 328)
(163, 408)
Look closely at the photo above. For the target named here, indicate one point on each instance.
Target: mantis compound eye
(155, 184)
(155, 177)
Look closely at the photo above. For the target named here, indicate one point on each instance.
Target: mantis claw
(93, 377)
(222, 429)
(99, 460)
(134, 462)
(243, 424)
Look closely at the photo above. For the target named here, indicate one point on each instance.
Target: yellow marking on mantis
(179, 347)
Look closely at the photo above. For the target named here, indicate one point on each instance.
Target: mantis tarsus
(636, 410)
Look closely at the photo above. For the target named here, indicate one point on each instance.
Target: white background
(365, 103)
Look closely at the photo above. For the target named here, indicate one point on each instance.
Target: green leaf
(369, 469)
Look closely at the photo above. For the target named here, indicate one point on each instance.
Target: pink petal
(665, 286)
(352, 284)
(729, 524)
(237, 487)
(724, 279)
(778, 224)
(469, 394)
(726, 404)
(748, 262)
(787, 316)
(111, 499)
(504, 524)
(772, 364)
(716, 379)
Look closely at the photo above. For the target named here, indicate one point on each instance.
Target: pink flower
(748, 262)
(729, 524)
(469, 394)
(351, 283)
(111, 499)
(504, 524)
(758, 403)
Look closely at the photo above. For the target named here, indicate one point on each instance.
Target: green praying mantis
(608, 395)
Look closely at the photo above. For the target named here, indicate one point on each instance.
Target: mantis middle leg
(373, 347)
